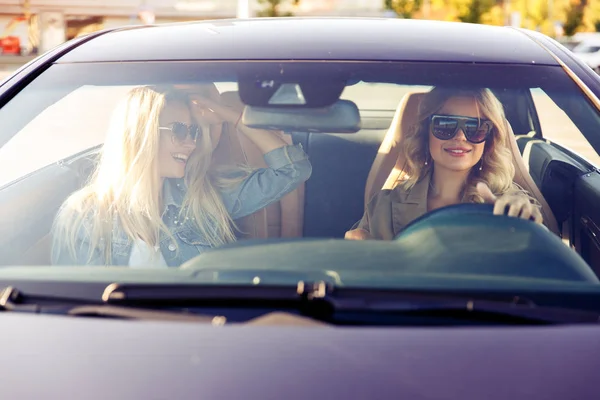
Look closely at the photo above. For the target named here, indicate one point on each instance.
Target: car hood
(65, 357)
(42, 280)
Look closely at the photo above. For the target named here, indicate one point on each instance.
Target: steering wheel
(466, 214)
(462, 239)
(470, 239)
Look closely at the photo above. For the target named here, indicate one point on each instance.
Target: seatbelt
(566, 232)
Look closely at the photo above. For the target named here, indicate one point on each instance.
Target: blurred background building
(31, 26)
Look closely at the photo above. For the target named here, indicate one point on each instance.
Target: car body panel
(314, 39)
(63, 357)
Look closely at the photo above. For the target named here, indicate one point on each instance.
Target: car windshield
(226, 167)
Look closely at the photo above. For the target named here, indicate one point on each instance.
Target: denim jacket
(288, 167)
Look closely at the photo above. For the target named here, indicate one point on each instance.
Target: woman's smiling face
(457, 154)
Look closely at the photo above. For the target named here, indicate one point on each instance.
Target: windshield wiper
(322, 301)
(485, 310)
(140, 313)
(12, 299)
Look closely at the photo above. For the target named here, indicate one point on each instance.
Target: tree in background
(272, 8)
(591, 16)
(404, 8)
(540, 15)
(472, 10)
(496, 15)
(574, 16)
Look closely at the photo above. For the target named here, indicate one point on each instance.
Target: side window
(558, 127)
(73, 123)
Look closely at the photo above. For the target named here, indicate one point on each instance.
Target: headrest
(389, 152)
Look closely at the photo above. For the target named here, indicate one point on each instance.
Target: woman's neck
(448, 185)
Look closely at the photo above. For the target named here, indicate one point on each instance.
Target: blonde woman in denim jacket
(154, 201)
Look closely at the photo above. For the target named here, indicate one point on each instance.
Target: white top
(144, 256)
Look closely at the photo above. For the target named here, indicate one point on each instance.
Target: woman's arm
(360, 230)
(288, 167)
(265, 140)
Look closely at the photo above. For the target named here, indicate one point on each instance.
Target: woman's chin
(457, 165)
(175, 173)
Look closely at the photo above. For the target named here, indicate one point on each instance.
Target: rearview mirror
(341, 117)
(277, 90)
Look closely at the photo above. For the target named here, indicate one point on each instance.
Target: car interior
(333, 199)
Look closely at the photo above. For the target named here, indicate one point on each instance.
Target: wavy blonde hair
(497, 169)
(126, 187)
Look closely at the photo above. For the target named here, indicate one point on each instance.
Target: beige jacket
(391, 210)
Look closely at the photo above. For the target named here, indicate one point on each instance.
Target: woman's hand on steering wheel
(518, 204)
(358, 234)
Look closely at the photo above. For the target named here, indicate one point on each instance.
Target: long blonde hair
(126, 187)
(497, 169)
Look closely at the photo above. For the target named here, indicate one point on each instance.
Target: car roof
(377, 39)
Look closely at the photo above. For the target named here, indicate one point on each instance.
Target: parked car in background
(588, 51)
(463, 305)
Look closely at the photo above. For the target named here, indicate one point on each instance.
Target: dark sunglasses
(181, 131)
(445, 127)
